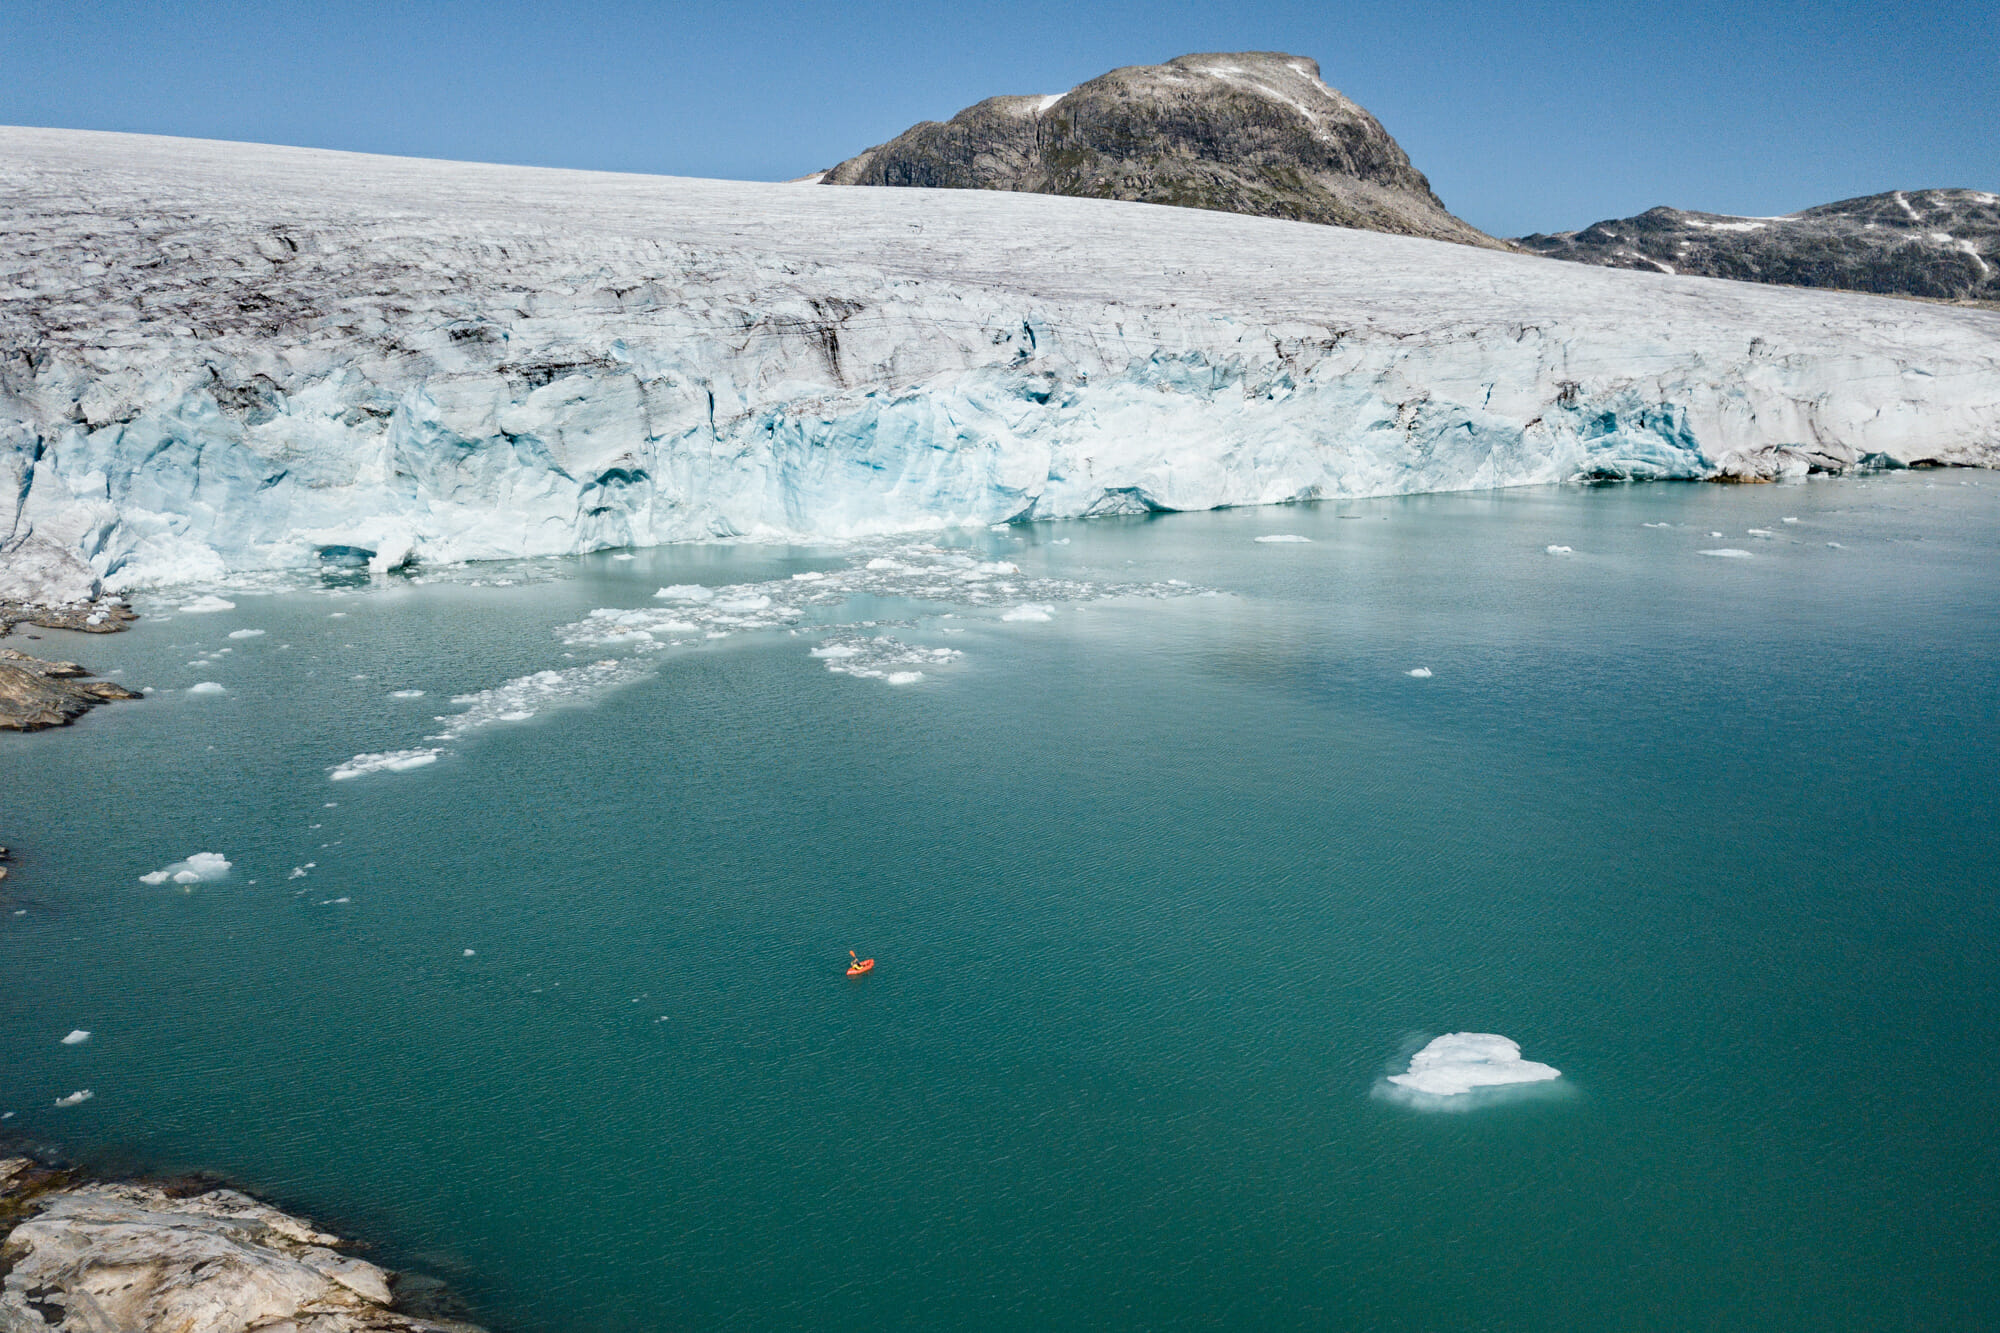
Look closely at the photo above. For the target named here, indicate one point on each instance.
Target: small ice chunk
(1727, 553)
(246, 633)
(1421, 673)
(1760, 532)
(625, 555)
(1656, 525)
(386, 761)
(209, 603)
(1458, 1062)
(1282, 537)
(837, 650)
(470, 953)
(752, 601)
(1788, 520)
(810, 576)
(905, 677)
(1032, 611)
(76, 1098)
(1836, 546)
(342, 615)
(1561, 550)
(686, 592)
(1715, 534)
(77, 1037)
(197, 868)
(206, 687)
(406, 694)
(517, 715)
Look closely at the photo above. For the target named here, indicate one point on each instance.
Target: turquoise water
(1161, 890)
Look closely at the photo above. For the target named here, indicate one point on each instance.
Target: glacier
(222, 358)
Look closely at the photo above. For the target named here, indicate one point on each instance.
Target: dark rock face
(1254, 132)
(1938, 243)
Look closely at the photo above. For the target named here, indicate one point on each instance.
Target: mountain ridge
(1252, 132)
(1939, 243)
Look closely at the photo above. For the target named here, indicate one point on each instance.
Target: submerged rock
(95, 1257)
(35, 694)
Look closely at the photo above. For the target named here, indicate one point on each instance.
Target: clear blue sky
(1527, 116)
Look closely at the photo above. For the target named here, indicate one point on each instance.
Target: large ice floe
(230, 357)
(1459, 1065)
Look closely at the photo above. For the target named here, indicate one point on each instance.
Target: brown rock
(35, 694)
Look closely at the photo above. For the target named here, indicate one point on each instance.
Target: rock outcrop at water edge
(35, 694)
(107, 1258)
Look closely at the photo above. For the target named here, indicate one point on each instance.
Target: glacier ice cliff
(226, 357)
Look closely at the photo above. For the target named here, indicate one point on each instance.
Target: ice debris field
(250, 357)
(920, 574)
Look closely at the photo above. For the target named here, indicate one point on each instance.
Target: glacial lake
(1161, 886)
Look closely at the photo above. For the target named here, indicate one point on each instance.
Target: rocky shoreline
(36, 693)
(82, 1255)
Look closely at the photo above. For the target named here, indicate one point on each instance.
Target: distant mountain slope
(1253, 132)
(1942, 243)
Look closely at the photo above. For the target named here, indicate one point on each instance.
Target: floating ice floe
(881, 658)
(406, 694)
(1788, 520)
(1727, 553)
(77, 1037)
(246, 633)
(1760, 532)
(386, 761)
(1459, 1062)
(208, 603)
(471, 953)
(1421, 673)
(625, 555)
(200, 867)
(1283, 538)
(1836, 546)
(207, 687)
(1031, 611)
(76, 1098)
(1561, 550)
(519, 699)
(686, 592)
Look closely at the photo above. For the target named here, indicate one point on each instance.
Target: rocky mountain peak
(1254, 132)
(1943, 244)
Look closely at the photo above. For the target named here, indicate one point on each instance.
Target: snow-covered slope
(221, 357)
